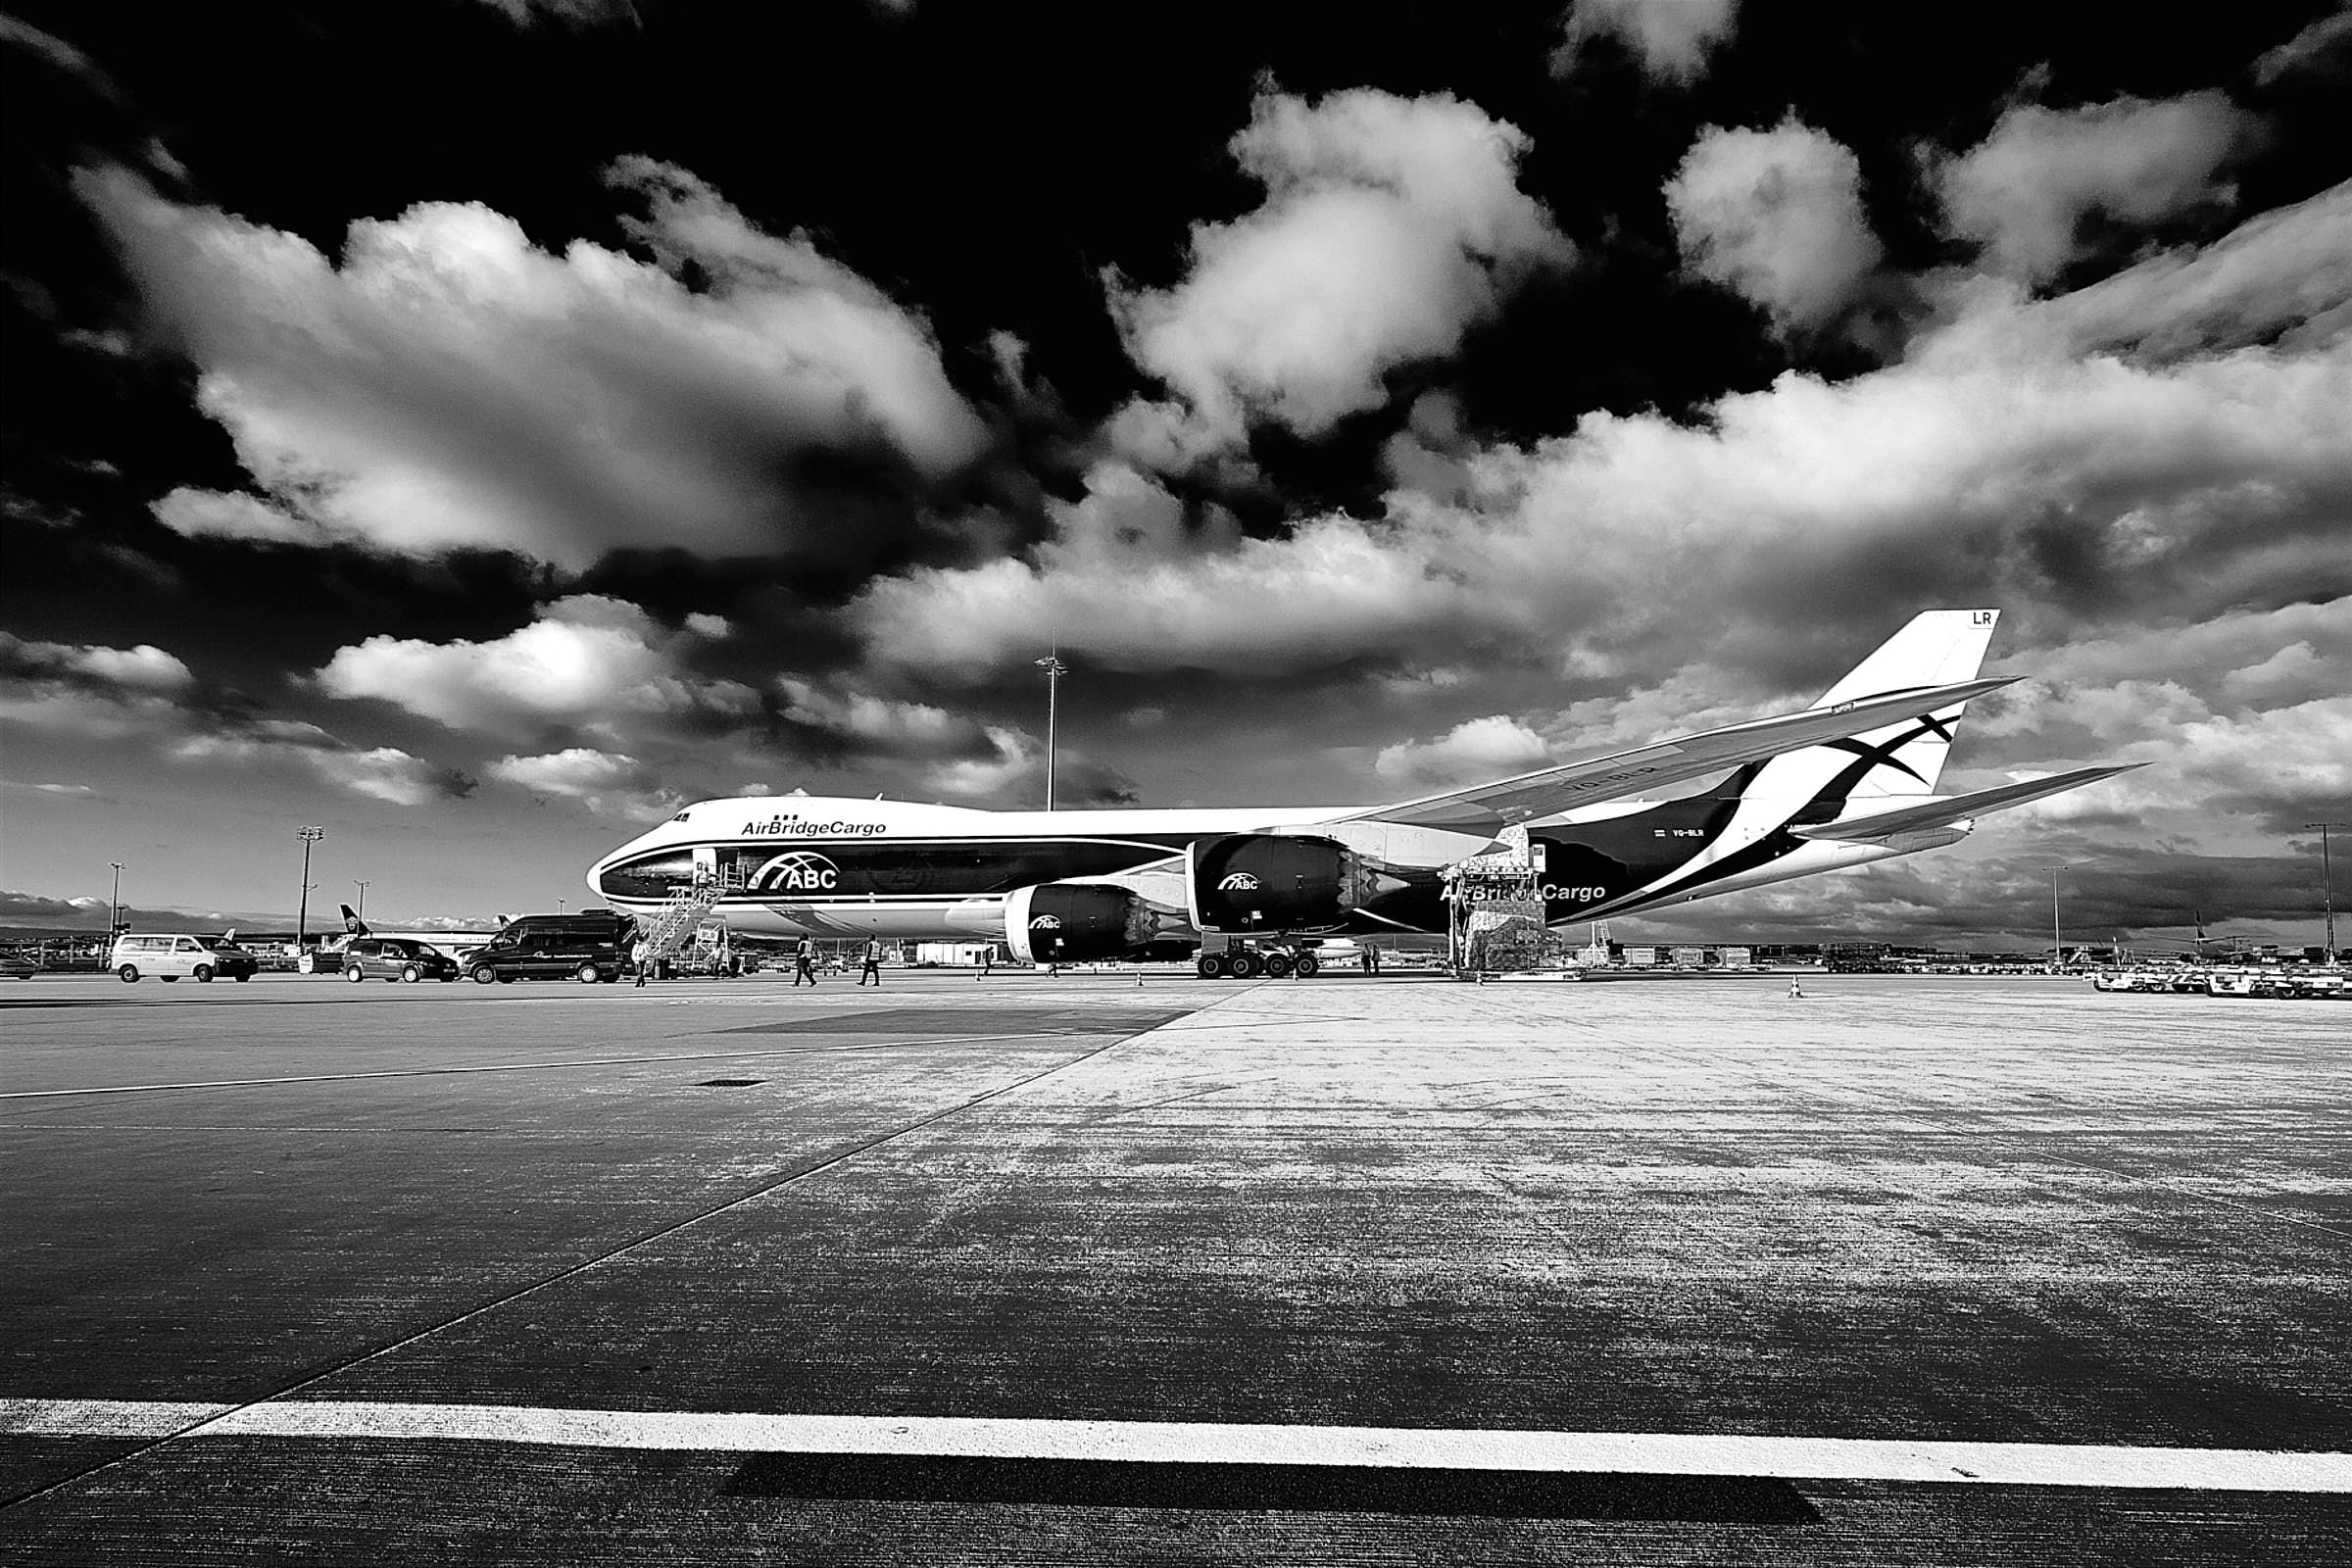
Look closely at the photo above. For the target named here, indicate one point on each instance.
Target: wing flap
(1957, 808)
(1490, 808)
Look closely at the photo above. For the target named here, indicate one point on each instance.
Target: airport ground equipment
(681, 914)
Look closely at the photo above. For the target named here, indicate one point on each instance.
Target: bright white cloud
(606, 782)
(229, 515)
(1495, 747)
(1390, 227)
(1774, 216)
(450, 385)
(589, 662)
(2024, 191)
(381, 772)
(2011, 457)
(1672, 39)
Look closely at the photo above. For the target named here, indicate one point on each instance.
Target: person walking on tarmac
(803, 961)
(874, 964)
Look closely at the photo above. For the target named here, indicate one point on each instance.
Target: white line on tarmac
(548, 1066)
(2041, 1464)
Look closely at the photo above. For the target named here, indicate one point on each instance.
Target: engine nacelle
(1273, 882)
(1071, 922)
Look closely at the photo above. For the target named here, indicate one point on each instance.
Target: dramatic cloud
(572, 13)
(2326, 40)
(146, 693)
(1390, 227)
(380, 772)
(2012, 458)
(1671, 38)
(612, 782)
(1495, 747)
(590, 663)
(1776, 217)
(2025, 191)
(449, 385)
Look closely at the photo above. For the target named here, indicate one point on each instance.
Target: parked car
(395, 958)
(168, 955)
(17, 966)
(588, 947)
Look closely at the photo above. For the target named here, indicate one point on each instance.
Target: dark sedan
(395, 958)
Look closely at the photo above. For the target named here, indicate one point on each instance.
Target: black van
(587, 946)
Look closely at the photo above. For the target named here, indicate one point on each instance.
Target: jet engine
(1071, 922)
(1273, 882)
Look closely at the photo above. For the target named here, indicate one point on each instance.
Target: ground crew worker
(803, 961)
(874, 962)
(637, 957)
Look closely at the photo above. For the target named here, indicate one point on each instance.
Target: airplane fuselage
(850, 867)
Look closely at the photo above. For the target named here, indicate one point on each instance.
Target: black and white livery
(1845, 782)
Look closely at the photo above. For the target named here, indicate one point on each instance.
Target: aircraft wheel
(484, 975)
(587, 974)
(1244, 965)
(1210, 966)
(130, 973)
(204, 974)
(410, 974)
(355, 974)
(1308, 965)
(1278, 965)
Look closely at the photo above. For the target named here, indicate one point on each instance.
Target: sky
(478, 427)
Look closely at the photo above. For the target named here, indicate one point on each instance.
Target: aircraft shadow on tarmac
(1272, 1487)
(954, 1020)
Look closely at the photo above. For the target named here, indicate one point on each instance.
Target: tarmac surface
(1069, 1269)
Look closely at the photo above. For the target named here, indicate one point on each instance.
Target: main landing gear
(1246, 962)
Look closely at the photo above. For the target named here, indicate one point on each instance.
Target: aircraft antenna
(1055, 669)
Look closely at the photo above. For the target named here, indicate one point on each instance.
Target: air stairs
(674, 923)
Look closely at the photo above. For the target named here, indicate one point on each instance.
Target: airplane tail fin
(1938, 648)
(353, 925)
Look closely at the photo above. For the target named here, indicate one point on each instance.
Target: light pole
(2326, 883)
(1055, 669)
(362, 911)
(113, 925)
(2057, 952)
(301, 916)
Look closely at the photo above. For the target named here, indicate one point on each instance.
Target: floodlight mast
(301, 916)
(2326, 883)
(2057, 952)
(1055, 669)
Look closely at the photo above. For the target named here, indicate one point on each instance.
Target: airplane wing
(1490, 808)
(1939, 813)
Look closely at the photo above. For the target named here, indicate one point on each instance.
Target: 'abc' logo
(801, 872)
(1239, 882)
(1046, 922)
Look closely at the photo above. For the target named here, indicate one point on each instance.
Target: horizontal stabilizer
(1957, 808)
(1488, 807)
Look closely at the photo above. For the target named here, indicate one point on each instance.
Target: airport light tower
(301, 916)
(113, 925)
(2327, 884)
(1055, 669)
(2057, 952)
(361, 909)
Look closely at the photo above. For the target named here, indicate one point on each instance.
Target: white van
(168, 955)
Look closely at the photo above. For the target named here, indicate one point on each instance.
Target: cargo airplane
(1845, 782)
